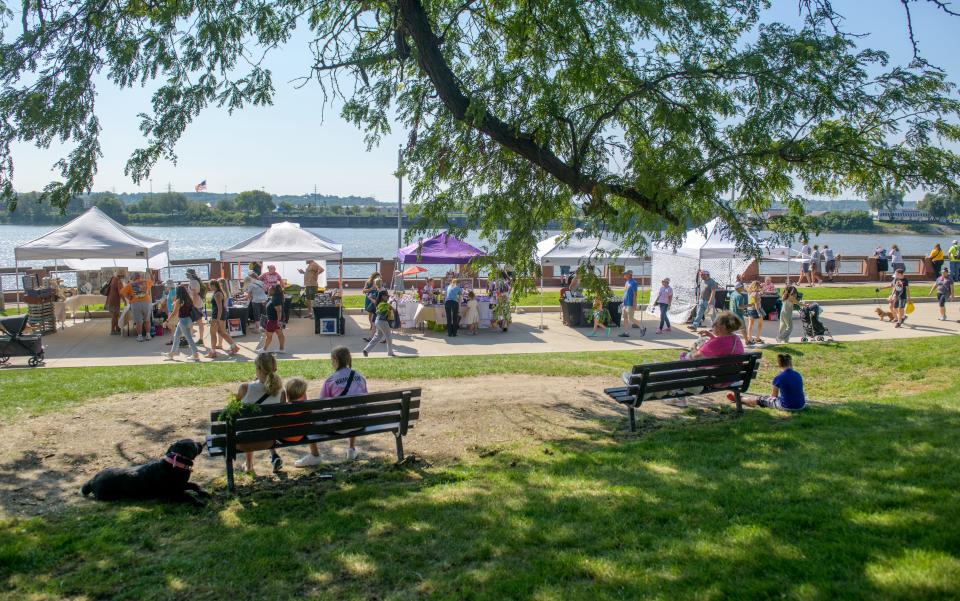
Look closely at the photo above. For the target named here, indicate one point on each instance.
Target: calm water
(207, 242)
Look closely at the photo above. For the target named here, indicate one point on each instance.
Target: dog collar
(185, 464)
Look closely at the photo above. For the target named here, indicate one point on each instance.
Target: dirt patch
(45, 459)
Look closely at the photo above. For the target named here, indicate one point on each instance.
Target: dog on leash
(881, 314)
(166, 479)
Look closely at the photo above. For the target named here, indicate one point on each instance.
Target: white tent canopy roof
(712, 242)
(283, 242)
(93, 240)
(579, 248)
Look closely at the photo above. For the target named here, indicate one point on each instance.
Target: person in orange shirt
(137, 295)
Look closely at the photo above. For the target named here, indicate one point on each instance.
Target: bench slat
(666, 376)
(312, 428)
(295, 416)
(696, 363)
(336, 402)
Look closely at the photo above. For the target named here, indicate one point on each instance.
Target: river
(207, 242)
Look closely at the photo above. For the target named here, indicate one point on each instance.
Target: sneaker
(623, 335)
(169, 343)
(351, 454)
(308, 460)
(277, 462)
(659, 331)
(366, 340)
(941, 318)
(139, 337)
(592, 335)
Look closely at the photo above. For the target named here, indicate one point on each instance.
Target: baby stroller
(14, 343)
(813, 328)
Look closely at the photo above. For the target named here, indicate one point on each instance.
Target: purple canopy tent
(442, 249)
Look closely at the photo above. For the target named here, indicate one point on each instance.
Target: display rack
(40, 313)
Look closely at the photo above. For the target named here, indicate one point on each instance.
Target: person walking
(274, 320)
(629, 306)
(664, 300)
(953, 257)
(218, 320)
(936, 259)
(944, 287)
(371, 291)
(738, 306)
(815, 266)
(899, 296)
(257, 298)
(708, 295)
(451, 307)
(114, 300)
(182, 316)
(384, 319)
(137, 295)
(805, 254)
(754, 314)
(198, 294)
(896, 259)
(788, 302)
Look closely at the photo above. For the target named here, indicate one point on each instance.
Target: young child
(787, 391)
(471, 318)
(344, 381)
(601, 317)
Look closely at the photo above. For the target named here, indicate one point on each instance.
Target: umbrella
(415, 270)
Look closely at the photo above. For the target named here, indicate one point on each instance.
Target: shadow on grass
(844, 502)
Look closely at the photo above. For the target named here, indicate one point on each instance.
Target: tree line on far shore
(175, 208)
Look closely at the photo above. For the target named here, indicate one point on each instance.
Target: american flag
(201, 186)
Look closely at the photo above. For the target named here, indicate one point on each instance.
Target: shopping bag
(909, 308)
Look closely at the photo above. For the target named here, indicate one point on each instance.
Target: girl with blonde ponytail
(267, 389)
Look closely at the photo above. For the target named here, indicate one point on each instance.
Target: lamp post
(398, 280)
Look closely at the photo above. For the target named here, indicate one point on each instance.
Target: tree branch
(431, 60)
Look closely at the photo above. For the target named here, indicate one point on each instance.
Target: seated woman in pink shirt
(723, 340)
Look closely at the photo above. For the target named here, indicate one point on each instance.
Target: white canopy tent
(94, 240)
(287, 246)
(711, 248)
(580, 249)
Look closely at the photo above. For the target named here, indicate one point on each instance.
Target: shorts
(776, 403)
(310, 292)
(805, 267)
(140, 311)
(941, 299)
(831, 265)
(628, 310)
(899, 303)
(753, 314)
(272, 325)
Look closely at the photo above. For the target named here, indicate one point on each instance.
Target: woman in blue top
(787, 391)
(451, 307)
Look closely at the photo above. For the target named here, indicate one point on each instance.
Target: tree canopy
(643, 116)
(887, 199)
(254, 201)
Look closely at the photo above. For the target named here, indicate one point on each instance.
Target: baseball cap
(738, 286)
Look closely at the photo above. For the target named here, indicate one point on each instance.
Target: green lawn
(855, 500)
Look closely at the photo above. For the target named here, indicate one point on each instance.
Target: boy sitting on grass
(787, 392)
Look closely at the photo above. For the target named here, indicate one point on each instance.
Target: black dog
(167, 478)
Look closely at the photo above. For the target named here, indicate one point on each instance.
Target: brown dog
(881, 314)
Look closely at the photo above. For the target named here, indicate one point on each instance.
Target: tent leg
(541, 300)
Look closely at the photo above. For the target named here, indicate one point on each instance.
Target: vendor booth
(287, 246)
(427, 309)
(580, 249)
(712, 248)
(90, 242)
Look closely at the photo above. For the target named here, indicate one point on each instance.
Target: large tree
(641, 116)
(254, 201)
(886, 199)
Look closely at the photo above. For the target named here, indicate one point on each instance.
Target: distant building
(914, 215)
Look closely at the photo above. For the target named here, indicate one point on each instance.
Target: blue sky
(287, 148)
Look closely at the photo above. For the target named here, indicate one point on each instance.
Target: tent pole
(16, 282)
(541, 298)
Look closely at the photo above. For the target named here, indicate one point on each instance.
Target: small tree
(887, 199)
(171, 202)
(940, 206)
(111, 205)
(227, 205)
(254, 201)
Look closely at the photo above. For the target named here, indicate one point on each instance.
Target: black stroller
(813, 328)
(14, 343)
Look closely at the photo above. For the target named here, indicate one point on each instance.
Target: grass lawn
(855, 500)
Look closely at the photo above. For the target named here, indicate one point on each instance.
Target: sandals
(234, 349)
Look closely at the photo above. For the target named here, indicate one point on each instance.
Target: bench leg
(229, 461)
(633, 418)
(399, 446)
(736, 397)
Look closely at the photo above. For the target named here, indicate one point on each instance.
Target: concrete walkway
(88, 344)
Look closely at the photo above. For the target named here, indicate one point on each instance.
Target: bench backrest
(720, 372)
(324, 416)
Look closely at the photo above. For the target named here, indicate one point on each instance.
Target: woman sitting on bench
(723, 340)
(267, 389)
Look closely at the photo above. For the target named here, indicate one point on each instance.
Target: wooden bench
(316, 421)
(672, 380)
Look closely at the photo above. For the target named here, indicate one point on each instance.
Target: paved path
(87, 343)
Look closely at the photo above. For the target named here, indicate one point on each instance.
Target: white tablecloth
(437, 314)
(73, 303)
